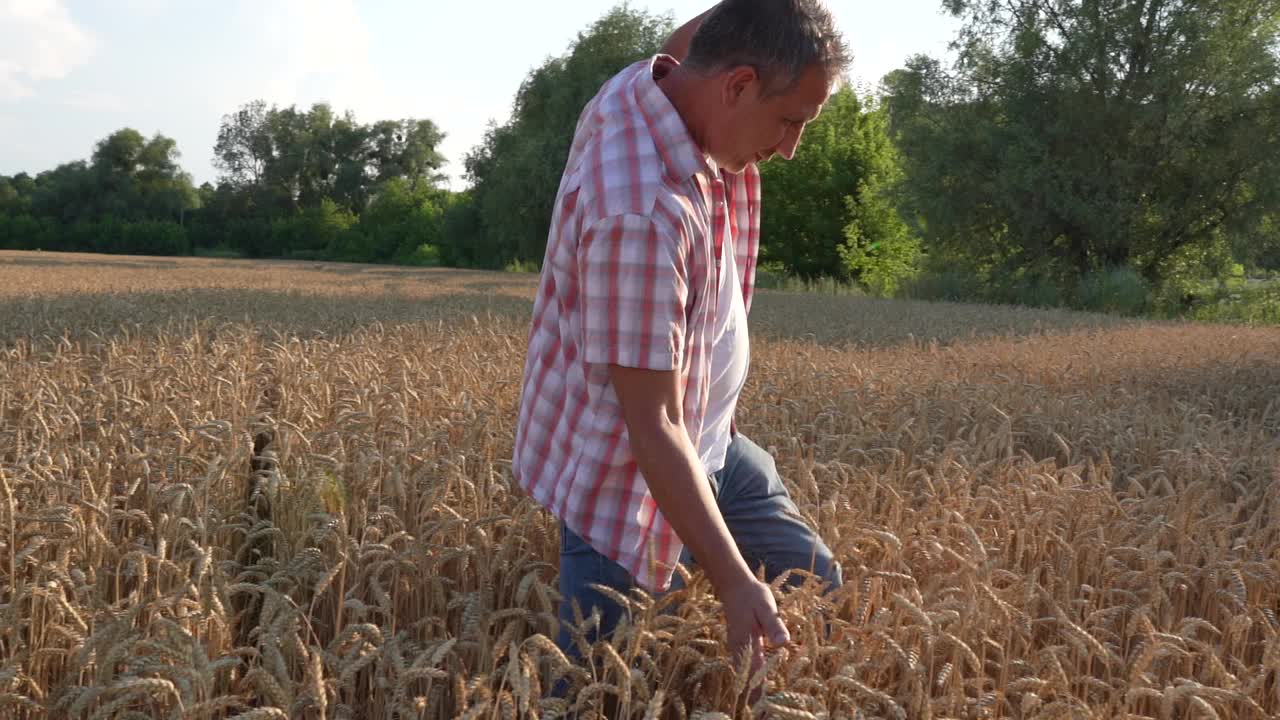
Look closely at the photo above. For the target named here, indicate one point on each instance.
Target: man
(639, 345)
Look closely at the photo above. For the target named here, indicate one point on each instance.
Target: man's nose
(787, 148)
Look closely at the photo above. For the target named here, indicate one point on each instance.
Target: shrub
(949, 285)
(153, 237)
(1120, 290)
(522, 266)
(1036, 291)
(425, 255)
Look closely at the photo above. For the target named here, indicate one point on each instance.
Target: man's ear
(739, 83)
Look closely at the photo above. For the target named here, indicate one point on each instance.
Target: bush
(87, 236)
(878, 249)
(426, 255)
(24, 232)
(522, 266)
(461, 228)
(771, 275)
(153, 237)
(209, 235)
(312, 233)
(1120, 290)
(7, 239)
(217, 251)
(1038, 292)
(948, 285)
(310, 255)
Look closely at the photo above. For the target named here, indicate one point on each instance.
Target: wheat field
(281, 490)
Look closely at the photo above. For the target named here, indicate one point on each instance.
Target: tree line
(1071, 150)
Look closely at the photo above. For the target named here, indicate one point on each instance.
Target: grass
(772, 279)
(1254, 302)
(280, 489)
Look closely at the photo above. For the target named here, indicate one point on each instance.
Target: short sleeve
(634, 282)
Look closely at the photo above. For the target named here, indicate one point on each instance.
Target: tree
(128, 177)
(826, 212)
(8, 195)
(286, 159)
(71, 192)
(516, 170)
(406, 149)
(399, 221)
(1075, 135)
(244, 145)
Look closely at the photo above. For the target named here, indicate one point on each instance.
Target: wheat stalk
(1033, 516)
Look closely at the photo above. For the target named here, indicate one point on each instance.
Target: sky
(74, 71)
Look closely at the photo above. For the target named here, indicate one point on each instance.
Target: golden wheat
(268, 489)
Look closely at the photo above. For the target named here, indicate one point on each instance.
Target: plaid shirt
(629, 278)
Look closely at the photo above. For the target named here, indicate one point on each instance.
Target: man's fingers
(774, 629)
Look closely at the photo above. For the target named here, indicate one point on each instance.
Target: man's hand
(750, 616)
(651, 403)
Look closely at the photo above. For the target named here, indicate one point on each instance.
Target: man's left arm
(677, 46)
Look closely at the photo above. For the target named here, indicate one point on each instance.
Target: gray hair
(779, 38)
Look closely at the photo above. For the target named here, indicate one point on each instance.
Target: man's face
(754, 128)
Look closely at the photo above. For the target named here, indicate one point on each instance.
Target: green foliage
(286, 159)
(944, 284)
(253, 236)
(153, 237)
(9, 197)
(425, 255)
(1255, 303)
(127, 178)
(878, 249)
(300, 185)
(522, 266)
(1190, 273)
(1121, 156)
(461, 231)
(314, 232)
(1079, 135)
(24, 232)
(1029, 289)
(774, 276)
(225, 252)
(516, 170)
(771, 275)
(828, 211)
(109, 235)
(1118, 290)
(404, 224)
(131, 196)
(1260, 249)
(312, 184)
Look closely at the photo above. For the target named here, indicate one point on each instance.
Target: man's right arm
(651, 407)
(634, 285)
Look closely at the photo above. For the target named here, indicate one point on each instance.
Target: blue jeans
(761, 517)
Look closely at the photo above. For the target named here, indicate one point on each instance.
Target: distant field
(69, 292)
(279, 489)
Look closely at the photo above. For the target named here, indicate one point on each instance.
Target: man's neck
(686, 92)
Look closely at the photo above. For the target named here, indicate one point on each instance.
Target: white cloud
(316, 50)
(145, 7)
(38, 41)
(94, 101)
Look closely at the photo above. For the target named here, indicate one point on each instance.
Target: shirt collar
(681, 155)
